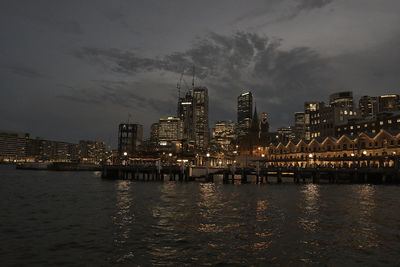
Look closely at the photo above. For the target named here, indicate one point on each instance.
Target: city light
(310, 156)
(352, 154)
(208, 155)
(170, 154)
(364, 152)
(125, 153)
(262, 155)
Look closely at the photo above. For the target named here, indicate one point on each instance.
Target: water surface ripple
(67, 218)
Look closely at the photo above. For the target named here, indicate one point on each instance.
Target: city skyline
(75, 84)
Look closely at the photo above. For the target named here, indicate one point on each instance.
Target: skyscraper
(244, 113)
(185, 113)
(200, 117)
(299, 125)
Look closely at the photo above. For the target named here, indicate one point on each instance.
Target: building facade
(368, 106)
(389, 103)
(200, 117)
(129, 138)
(385, 120)
(364, 150)
(244, 113)
(13, 145)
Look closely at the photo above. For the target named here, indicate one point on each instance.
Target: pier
(254, 175)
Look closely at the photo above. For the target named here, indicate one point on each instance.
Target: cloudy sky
(72, 70)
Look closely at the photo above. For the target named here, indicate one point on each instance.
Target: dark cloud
(69, 26)
(227, 65)
(311, 4)
(24, 71)
(292, 8)
(116, 93)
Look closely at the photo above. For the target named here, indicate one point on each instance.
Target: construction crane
(178, 85)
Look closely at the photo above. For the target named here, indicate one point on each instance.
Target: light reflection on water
(310, 206)
(50, 220)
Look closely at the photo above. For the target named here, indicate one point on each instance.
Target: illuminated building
(325, 118)
(368, 106)
(224, 134)
(373, 124)
(365, 149)
(48, 150)
(170, 129)
(200, 117)
(13, 145)
(299, 130)
(91, 151)
(244, 113)
(389, 103)
(129, 138)
(154, 134)
(185, 113)
(310, 111)
(286, 133)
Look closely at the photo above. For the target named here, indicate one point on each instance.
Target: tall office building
(299, 125)
(200, 117)
(129, 138)
(368, 106)
(389, 103)
(310, 112)
(185, 113)
(170, 129)
(244, 113)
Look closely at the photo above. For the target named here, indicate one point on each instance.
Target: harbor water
(78, 219)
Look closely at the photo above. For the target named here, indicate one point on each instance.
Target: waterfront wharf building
(244, 113)
(200, 117)
(129, 138)
(364, 150)
(13, 145)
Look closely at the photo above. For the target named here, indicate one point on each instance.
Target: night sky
(72, 70)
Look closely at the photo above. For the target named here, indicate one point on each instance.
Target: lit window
(358, 126)
(351, 112)
(381, 122)
(351, 127)
(373, 131)
(390, 121)
(345, 112)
